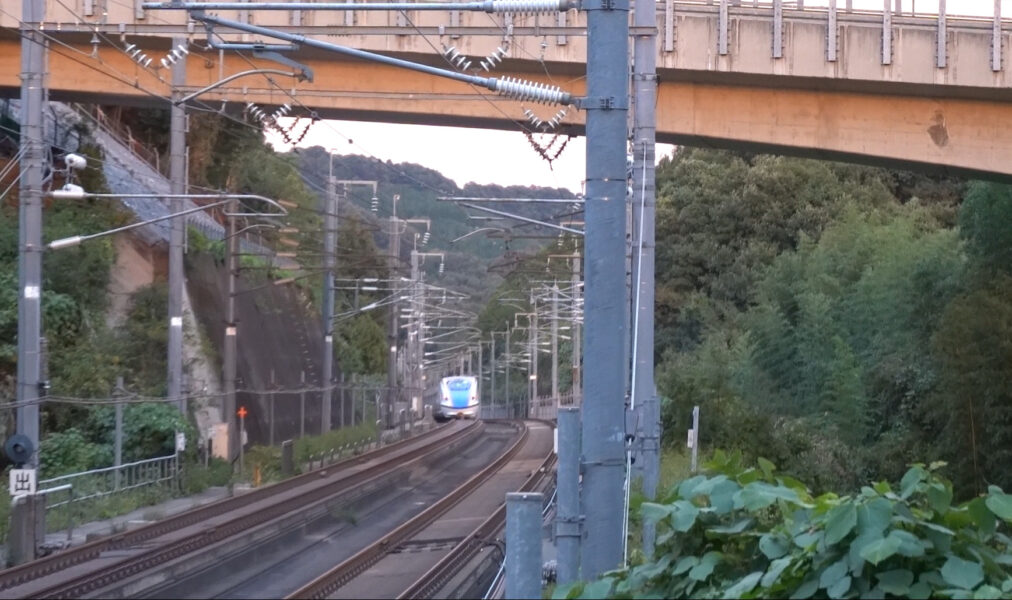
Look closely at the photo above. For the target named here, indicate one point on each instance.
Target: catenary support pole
(567, 518)
(117, 453)
(555, 344)
(605, 313)
(523, 545)
(392, 334)
(229, 358)
(329, 249)
(177, 181)
(491, 374)
(33, 96)
(644, 203)
(508, 402)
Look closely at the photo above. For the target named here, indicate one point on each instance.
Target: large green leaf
(745, 585)
(1000, 504)
(840, 522)
(597, 590)
(962, 573)
(919, 591)
(939, 497)
(776, 568)
(986, 592)
(911, 546)
(684, 516)
(896, 582)
(881, 549)
(982, 516)
(758, 495)
(706, 564)
(684, 564)
(840, 588)
(874, 516)
(687, 488)
(773, 546)
(722, 496)
(910, 480)
(734, 528)
(806, 590)
(832, 574)
(653, 512)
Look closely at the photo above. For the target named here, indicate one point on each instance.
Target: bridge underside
(929, 133)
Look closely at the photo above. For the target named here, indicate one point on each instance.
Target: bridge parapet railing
(907, 8)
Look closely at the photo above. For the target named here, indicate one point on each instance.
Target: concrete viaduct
(880, 88)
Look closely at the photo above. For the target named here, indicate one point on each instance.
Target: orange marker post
(242, 435)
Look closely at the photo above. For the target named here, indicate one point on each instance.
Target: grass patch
(262, 464)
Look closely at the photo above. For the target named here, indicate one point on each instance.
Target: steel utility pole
(491, 372)
(644, 389)
(508, 404)
(231, 332)
(177, 178)
(606, 302)
(395, 255)
(33, 95)
(555, 344)
(330, 208)
(415, 348)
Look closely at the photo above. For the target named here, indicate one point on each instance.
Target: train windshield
(459, 392)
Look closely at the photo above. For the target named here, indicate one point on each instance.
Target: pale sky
(506, 158)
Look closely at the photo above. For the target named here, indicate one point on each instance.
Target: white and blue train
(458, 398)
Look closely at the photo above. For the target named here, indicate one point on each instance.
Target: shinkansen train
(458, 398)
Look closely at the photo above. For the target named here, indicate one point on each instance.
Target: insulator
(494, 59)
(529, 7)
(442, 266)
(519, 89)
(374, 204)
(457, 58)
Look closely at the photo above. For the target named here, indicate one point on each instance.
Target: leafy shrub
(197, 478)
(751, 533)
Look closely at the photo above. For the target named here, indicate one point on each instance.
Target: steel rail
(433, 580)
(37, 569)
(328, 583)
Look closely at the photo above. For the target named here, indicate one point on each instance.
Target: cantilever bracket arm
(305, 72)
(516, 89)
(202, 90)
(264, 51)
(509, 215)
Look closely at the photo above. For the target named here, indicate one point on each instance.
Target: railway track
(416, 559)
(450, 566)
(88, 568)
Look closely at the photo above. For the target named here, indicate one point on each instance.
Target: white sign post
(23, 482)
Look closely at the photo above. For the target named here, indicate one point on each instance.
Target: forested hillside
(840, 321)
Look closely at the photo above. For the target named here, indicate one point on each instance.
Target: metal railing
(70, 498)
(865, 7)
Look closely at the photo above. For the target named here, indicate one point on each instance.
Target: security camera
(75, 162)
